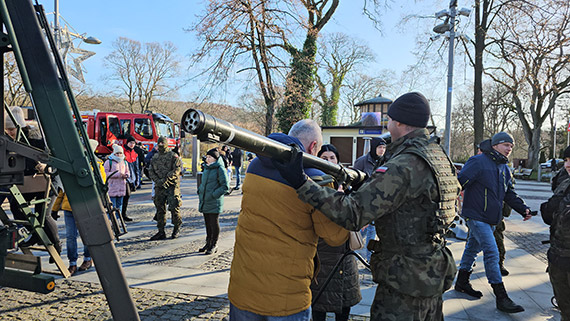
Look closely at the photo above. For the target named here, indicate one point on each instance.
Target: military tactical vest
(429, 220)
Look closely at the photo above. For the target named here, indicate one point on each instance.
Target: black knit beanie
(130, 139)
(214, 153)
(502, 137)
(410, 109)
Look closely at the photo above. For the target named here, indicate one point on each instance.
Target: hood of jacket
(219, 162)
(282, 138)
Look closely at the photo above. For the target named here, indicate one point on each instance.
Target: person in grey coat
(368, 163)
(211, 192)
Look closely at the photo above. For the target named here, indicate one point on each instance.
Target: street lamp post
(447, 133)
(64, 39)
(448, 28)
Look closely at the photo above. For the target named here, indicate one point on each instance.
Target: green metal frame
(51, 96)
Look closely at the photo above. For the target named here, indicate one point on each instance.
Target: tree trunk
(478, 119)
(299, 84)
(534, 147)
(269, 111)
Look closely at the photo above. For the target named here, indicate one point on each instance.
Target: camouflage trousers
(391, 305)
(171, 196)
(500, 240)
(560, 279)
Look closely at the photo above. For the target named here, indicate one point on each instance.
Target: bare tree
(359, 87)
(255, 105)
(258, 34)
(339, 55)
(300, 80)
(485, 14)
(531, 39)
(243, 32)
(498, 110)
(14, 91)
(145, 71)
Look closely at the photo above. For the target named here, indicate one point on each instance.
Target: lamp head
(464, 12)
(442, 14)
(92, 40)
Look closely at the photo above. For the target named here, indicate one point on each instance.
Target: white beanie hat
(93, 143)
(117, 149)
(18, 116)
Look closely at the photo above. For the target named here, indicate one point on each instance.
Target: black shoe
(211, 250)
(175, 233)
(158, 236)
(236, 188)
(504, 272)
(127, 219)
(504, 303)
(204, 248)
(464, 286)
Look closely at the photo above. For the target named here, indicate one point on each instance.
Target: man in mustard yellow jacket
(276, 238)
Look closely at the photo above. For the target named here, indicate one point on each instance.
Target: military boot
(158, 236)
(175, 232)
(464, 286)
(504, 303)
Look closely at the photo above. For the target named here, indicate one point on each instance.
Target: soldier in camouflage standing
(411, 198)
(164, 171)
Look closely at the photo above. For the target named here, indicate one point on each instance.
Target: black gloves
(292, 170)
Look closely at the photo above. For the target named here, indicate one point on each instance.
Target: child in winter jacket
(117, 172)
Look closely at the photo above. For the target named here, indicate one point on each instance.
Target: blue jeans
(71, 240)
(242, 315)
(368, 233)
(117, 202)
(238, 178)
(481, 238)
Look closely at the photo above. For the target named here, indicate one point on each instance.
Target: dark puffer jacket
(213, 187)
(344, 288)
(487, 183)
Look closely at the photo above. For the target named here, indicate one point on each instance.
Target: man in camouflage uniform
(164, 171)
(411, 198)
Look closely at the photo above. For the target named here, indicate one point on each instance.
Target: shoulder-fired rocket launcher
(214, 130)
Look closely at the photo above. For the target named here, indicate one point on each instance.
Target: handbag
(355, 241)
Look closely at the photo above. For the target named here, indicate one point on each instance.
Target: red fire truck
(109, 127)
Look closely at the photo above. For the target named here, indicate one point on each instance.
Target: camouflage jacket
(165, 169)
(403, 198)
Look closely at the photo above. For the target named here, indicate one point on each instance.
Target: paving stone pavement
(86, 301)
(531, 243)
(77, 299)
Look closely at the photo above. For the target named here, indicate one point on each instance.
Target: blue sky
(149, 21)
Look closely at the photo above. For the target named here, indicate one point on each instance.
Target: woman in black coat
(343, 291)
